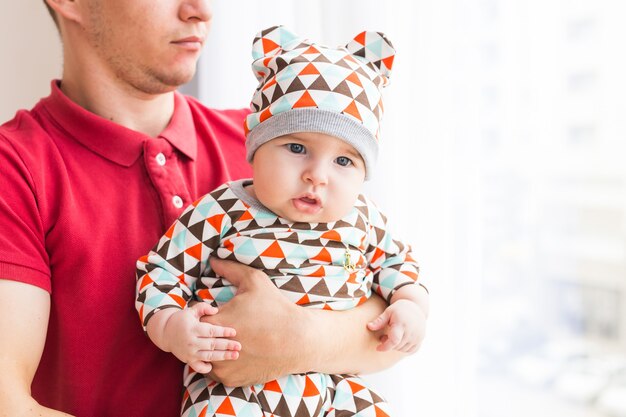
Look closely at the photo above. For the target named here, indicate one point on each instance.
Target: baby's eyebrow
(351, 152)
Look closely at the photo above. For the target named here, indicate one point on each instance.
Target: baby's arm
(166, 280)
(404, 320)
(190, 340)
(396, 279)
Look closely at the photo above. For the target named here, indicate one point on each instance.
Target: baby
(312, 140)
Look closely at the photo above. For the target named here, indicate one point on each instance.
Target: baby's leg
(351, 397)
(203, 397)
(309, 395)
(301, 395)
(289, 396)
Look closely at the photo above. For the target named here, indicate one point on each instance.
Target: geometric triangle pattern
(301, 395)
(333, 266)
(295, 73)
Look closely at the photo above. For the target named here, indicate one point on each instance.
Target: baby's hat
(307, 87)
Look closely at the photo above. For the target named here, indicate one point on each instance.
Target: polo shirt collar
(113, 141)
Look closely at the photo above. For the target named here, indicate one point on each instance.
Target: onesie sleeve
(390, 260)
(23, 255)
(167, 276)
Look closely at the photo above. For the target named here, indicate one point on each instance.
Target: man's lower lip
(191, 46)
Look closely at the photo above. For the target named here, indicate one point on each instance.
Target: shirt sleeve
(390, 260)
(23, 255)
(167, 276)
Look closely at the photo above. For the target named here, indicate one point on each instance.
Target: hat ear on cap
(268, 43)
(271, 41)
(375, 48)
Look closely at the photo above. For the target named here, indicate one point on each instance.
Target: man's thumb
(234, 272)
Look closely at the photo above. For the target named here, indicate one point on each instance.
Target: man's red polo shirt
(81, 199)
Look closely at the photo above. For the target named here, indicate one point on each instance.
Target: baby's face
(308, 177)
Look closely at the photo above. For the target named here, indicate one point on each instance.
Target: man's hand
(278, 337)
(269, 327)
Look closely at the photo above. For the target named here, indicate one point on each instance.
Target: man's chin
(177, 80)
(165, 83)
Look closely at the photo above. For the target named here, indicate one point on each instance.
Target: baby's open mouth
(308, 204)
(309, 200)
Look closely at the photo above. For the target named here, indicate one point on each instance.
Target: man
(114, 141)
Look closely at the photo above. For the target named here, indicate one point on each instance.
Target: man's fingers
(239, 275)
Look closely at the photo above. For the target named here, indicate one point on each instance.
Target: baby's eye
(295, 147)
(344, 161)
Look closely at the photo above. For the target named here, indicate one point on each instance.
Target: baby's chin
(293, 214)
(306, 219)
(320, 217)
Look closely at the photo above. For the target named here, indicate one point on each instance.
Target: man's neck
(122, 104)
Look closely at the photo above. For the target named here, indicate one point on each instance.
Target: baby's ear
(374, 48)
(271, 41)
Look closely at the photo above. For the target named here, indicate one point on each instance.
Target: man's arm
(24, 313)
(349, 347)
(279, 337)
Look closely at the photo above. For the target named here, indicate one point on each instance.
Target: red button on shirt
(81, 199)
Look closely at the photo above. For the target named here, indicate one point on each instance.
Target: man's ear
(72, 10)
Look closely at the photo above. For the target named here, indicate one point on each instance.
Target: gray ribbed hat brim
(320, 121)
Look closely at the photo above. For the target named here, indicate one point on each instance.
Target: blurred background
(502, 162)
